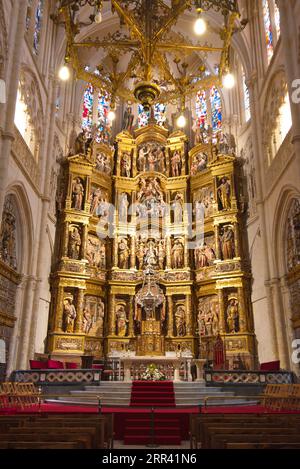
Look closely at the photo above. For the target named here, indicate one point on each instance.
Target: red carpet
(152, 393)
(145, 428)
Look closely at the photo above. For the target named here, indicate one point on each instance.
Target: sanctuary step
(118, 393)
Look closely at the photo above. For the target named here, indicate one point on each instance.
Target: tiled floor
(120, 445)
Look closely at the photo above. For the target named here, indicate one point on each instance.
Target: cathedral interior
(149, 180)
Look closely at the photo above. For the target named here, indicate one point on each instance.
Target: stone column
(14, 342)
(26, 322)
(79, 318)
(19, 11)
(189, 316)
(280, 324)
(170, 316)
(111, 316)
(222, 312)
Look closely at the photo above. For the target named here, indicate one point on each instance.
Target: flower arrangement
(152, 373)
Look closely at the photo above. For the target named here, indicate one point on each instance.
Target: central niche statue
(150, 200)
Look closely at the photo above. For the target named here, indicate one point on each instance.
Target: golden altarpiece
(149, 204)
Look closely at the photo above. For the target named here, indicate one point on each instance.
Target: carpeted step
(170, 431)
(158, 420)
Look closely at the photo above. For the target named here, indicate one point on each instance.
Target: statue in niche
(124, 253)
(180, 321)
(82, 143)
(178, 208)
(140, 250)
(177, 254)
(224, 194)
(161, 254)
(128, 119)
(232, 316)
(150, 198)
(125, 164)
(77, 194)
(8, 235)
(201, 321)
(103, 163)
(96, 252)
(204, 200)
(121, 321)
(123, 207)
(176, 163)
(93, 316)
(95, 199)
(199, 163)
(87, 321)
(208, 316)
(74, 243)
(201, 259)
(142, 158)
(150, 258)
(151, 157)
(69, 314)
(227, 243)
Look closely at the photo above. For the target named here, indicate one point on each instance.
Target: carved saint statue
(87, 321)
(125, 165)
(140, 252)
(150, 258)
(124, 253)
(123, 207)
(7, 237)
(178, 208)
(69, 315)
(161, 254)
(180, 321)
(74, 243)
(232, 316)
(77, 194)
(227, 243)
(224, 194)
(142, 159)
(176, 164)
(82, 143)
(178, 254)
(95, 199)
(128, 119)
(121, 321)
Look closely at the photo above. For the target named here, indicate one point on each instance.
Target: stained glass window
(159, 115)
(216, 108)
(277, 19)
(246, 98)
(268, 30)
(99, 108)
(38, 26)
(143, 116)
(88, 103)
(103, 124)
(201, 109)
